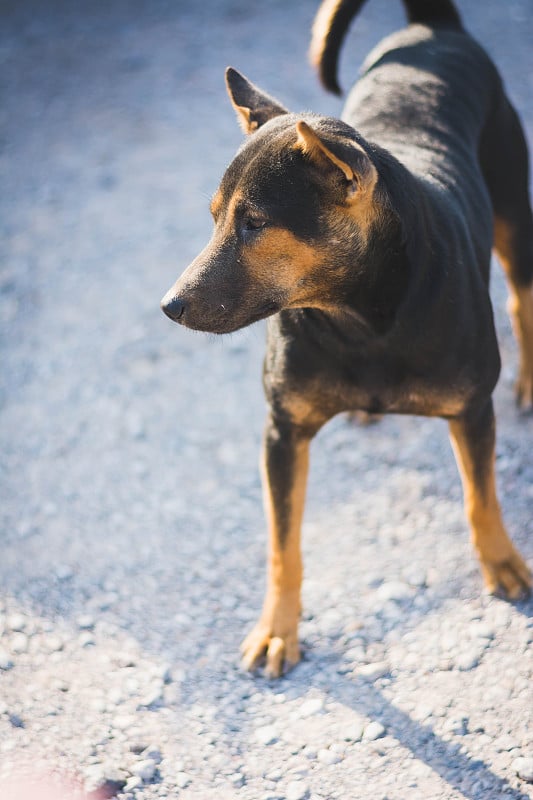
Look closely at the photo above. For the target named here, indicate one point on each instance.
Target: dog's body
(368, 248)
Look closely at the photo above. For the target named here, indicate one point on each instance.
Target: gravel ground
(132, 530)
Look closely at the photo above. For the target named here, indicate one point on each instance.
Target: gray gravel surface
(132, 533)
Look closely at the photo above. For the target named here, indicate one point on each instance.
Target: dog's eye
(254, 223)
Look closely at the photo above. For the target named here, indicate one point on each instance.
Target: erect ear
(357, 168)
(253, 106)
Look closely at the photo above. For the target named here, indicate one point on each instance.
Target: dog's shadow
(461, 772)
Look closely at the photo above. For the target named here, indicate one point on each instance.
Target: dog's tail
(334, 17)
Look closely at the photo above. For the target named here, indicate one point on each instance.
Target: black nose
(173, 308)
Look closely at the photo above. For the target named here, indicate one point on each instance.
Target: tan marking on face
(277, 258)
(216, 203)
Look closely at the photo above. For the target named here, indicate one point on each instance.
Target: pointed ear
(355, 165)
(253, 106)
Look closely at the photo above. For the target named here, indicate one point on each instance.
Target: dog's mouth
(220, 320)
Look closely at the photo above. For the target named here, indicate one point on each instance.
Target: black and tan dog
(367, 243)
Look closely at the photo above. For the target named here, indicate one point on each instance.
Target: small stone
(19, 643)
(133, 783)
(310, 707)
(152, 698)
(63, 572)
(85, 639)
(374, 730)
(85, 622)
(394, 590)
(267, 734)
(457, 726)
(154, 754)
(505, 743)
(138, 748)
(16, 721)
(17, 622)
(104, 781)
(296, 790)
(483, 631)
(467, 661)
(145, 770)
(237, 779)
(182, 780)
(329, 757)
(124, 721)
(378, 669)
(523, 766)
(53, 643)
(5, 660)
(355, 732)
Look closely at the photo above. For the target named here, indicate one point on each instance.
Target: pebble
(374, 730)
(394, 590)
(354, 733)
(6, 661)
(467, 661)
(17, 622)
(152, 698)
(182, 779)
(378, 669)
(19, 643)
(145, 770)
(133, 783)
(266, 734)
(104, 780)
(297, 790)
(329, 757)
(237, 779)
(310, 707)
(523, 766)
(85, 622)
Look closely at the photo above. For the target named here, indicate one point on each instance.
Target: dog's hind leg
(284, 473)
(513, 241)
(505, 165)
(473, 439)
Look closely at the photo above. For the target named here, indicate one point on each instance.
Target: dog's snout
(173, 308)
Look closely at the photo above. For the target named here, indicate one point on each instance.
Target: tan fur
(276, 633)
(520, 307)
(502, 567)
(216, 203)
(360, 196)
(279, 258)
(320, 30)
(311, 144)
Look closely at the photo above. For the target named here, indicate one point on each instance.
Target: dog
(366, 242)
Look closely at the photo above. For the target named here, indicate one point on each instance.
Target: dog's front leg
(473, 437)
(284, 472)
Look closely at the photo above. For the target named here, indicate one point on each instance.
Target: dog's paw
(510, 578)
(278, 653)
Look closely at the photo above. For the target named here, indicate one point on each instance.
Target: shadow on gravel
(445, 758)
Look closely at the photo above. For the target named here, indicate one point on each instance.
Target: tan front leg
(503, 568)
(284, 473)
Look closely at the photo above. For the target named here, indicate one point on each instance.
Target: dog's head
(294, 209)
